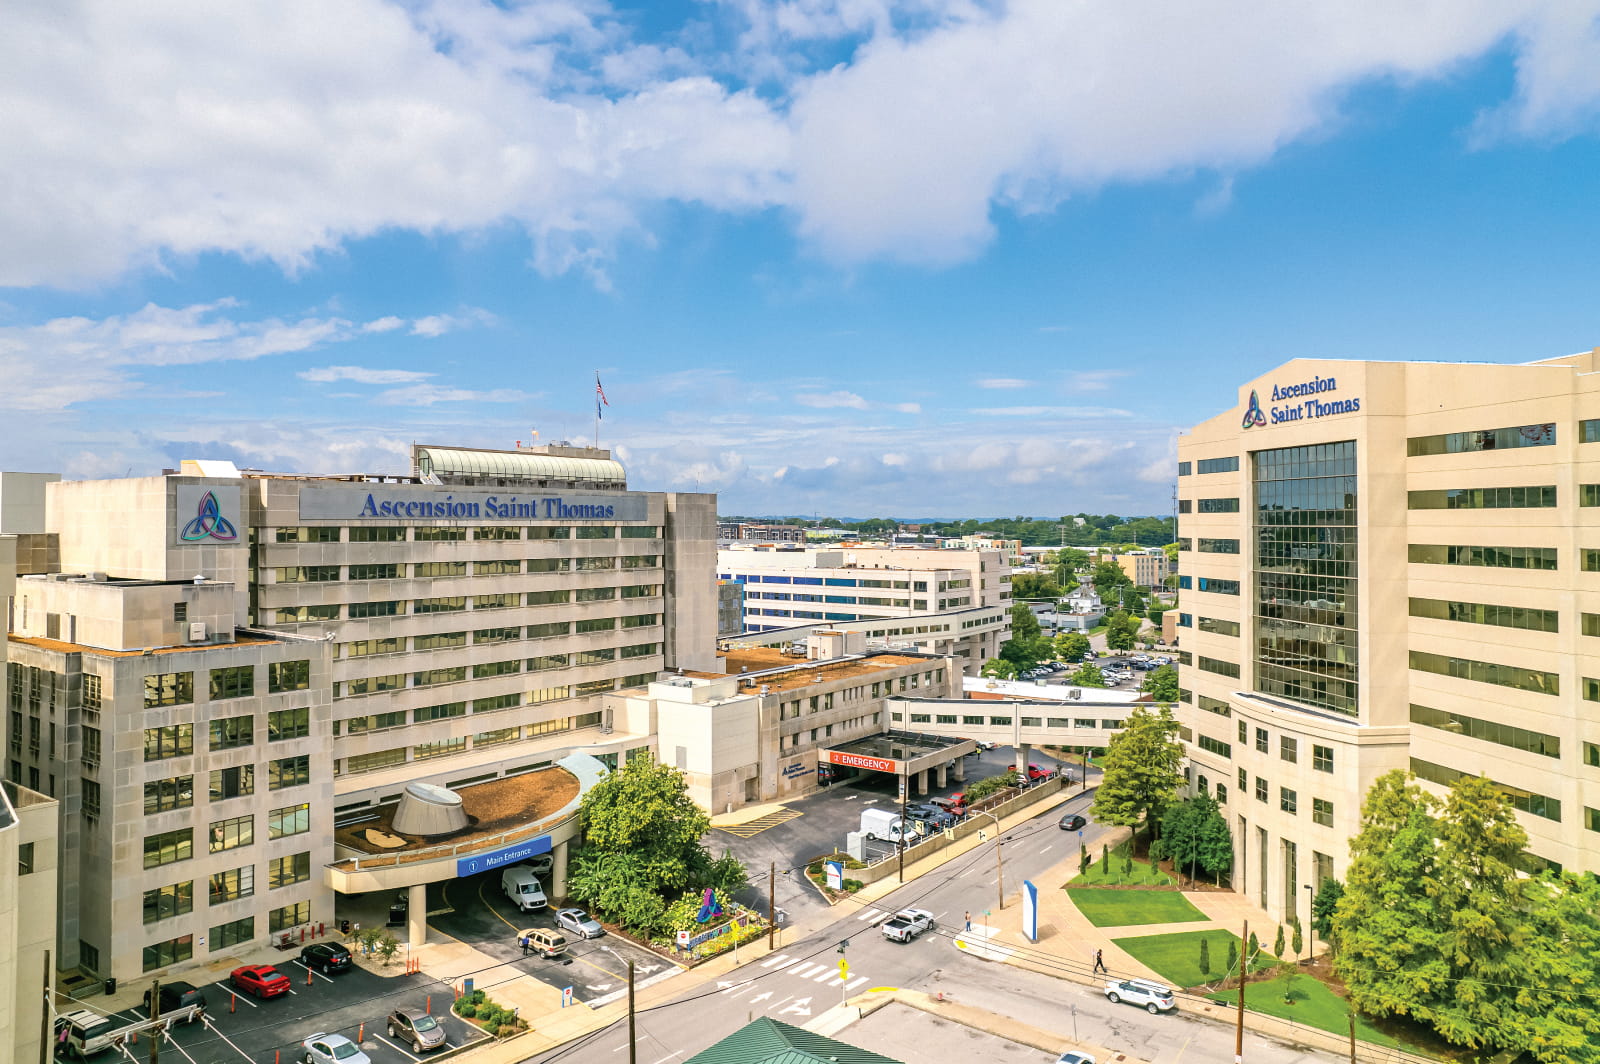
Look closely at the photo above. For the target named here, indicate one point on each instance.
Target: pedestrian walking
(1099, 963)
(969, 921)
(524, 941)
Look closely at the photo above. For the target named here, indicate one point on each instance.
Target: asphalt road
(482, 916)
(254, 1031)
(802, 980)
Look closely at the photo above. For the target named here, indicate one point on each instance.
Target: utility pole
(999, 868)
(1244, 966)
(46, 1043)
(155, 1028)
(772, 906)
(905, 789)
(633, 1047)
(1351, 1016)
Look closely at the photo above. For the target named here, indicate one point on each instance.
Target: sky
(837, 257)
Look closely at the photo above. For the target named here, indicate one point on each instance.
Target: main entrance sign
(420, 503)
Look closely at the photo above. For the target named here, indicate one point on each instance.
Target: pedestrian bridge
(1085, 724)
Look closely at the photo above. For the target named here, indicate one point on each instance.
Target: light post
(1311, 920)
(999, 869)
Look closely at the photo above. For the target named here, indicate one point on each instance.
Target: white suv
(1153, 996)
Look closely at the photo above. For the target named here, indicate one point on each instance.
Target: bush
(466, 1009)
(490, 1014)
(505, 1030)
(479, 997)
(853, 885)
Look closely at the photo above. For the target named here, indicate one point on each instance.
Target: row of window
(177, 688)
(832, 581)
(456, 534)
(1488, 731)
(1483, 440)
(1487, 613)
(445, 640)
(357, 763)
(1211, 465)
(1536, 680)
(169, 847)
(177, 740)
(1537, 804)
(177, 792)
(225, 936)
(1507, 498)
(298, 574)
(459, 603)
(177, 899)
(487, 670)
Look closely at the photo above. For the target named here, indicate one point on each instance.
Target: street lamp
(999, 870)
(1311, 920)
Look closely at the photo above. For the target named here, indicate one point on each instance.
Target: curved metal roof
(447, 461)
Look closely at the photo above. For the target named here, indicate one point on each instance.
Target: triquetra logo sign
(1253, 416)
(208, 523)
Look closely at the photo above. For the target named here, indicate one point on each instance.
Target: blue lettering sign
(510, 855)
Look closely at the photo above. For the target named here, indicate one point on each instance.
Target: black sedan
(1072, 822)
(326, 957)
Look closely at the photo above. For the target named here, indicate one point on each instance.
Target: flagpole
(597, 409)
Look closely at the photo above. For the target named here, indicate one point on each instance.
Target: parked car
(907, 924)
(417, 1027)
(1073, 822)
(327, 957)
(333, 1049)
(933, 814)
(262, 980)
(952, 805)
(579, 923)
(522, 887)
(180, 1001)
(1153, 997)
(1072, 1056)
(1038, 774)
(545, 942)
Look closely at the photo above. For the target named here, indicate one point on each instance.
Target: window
(318, 534)
(1261, 741)
(380, 759)
(232, 782)
(1215, 705)
(1288, 801)
(91, 692)
(1488, 731)
(173, 900)
(438, 569)
(1538, 681)
(1322, 758)
(1261, 789)
(1482, 440)
(1221, 668)
(596, 532)
(1221, 749)
(594, 687)
(171, 951)
(641, 532)
(371, 685)
(1222, 794)
(25, 858)
(1526, 618)
(549, 565)
(442, 748)
(505, 601)
(232, 933)
(307, 574)
(288, 772)
(168, 847)
(1218, 506)
(550, 532)
(548, 694)
(592, 657)
(232, 885)
(374, 722)
(597, 624)
(590, 565)
(1244, 732)
(489, 705)
(168, 689)
(291, 915)
(1184, 468)
(641, 591)
(237, 682)
(641, 650)
(1218, 627)
(547, 661)
(1218, 465)
(1218, 546)
(233, 833)
(496, 635)
(288, 724)
(91, 798)
(1535, 804)
(290, 820)
(1322, 812)
(176, 792)
(1185, 506)
(439, 641)
(377, 534)
(441, 535)
(302, 614)
(594, 594)
(1244, 782)
(1218, 587)
(174, 740)
(375, 571)
(286, 871)
(1508, 498)
(641, 561)
(501, 567)
(424, 714)
(1289, 749)
(1499, 557)
(363, 610)
(496, 737)
(1589, 431)
(230, 732)
(549, 598)
(431, 677)
(288, 676)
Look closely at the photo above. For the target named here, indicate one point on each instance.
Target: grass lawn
(1115, 908)
(1177, 956)
(1315, 1006)
(1144, 874)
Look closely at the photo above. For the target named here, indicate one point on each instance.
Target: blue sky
(945, 257)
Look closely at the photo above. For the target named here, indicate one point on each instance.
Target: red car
(262, 980)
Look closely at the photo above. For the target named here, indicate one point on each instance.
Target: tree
(1071, 646)
(1024, 625)
(1233, 954)
(1277, 944)
(1107, 576)
(1034, 586)
(1122, 630)
(1298, 943)
(1068, 561)
(1561, 954)
(1083, 859)
(1140, 770)
(1161, 684)
(998, 669)
(1088, 676)
(1328, 893)
(1205, 956)
(1026, 647)
(1194, 833)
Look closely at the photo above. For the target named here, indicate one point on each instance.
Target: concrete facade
(1391, 565)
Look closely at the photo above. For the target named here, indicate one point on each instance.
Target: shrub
(1277, 943)
(1205, 956)
(853, 884)
(505, 1030)
(479, 997)
(466, 1009)
(1233, 955)
(489, 1015)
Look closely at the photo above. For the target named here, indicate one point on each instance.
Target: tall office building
(206, 667)
(1392, 565)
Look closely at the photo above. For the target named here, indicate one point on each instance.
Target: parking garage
(918, 761)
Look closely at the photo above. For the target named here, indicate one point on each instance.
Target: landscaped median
(1120, 891)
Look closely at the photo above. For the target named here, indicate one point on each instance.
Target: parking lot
(481, 916)
(354, 1003)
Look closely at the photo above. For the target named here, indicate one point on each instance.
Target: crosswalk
(792, 986)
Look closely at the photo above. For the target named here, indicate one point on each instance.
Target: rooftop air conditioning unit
(197, 631)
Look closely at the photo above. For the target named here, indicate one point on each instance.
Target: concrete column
(941, 775)
(960, 766)
(922, 782)
(417, 915)
(1024, 752)
(558, 872)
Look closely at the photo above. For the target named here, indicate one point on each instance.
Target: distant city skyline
(829, 257)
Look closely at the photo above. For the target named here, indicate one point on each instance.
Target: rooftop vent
(428, 809)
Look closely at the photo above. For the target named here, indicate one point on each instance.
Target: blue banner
(1030, 911)
(510, 855)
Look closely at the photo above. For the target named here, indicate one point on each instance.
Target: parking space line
(243, 998)
(213, 1029)
(171, 1042)
(312, 970)
(396, 1048)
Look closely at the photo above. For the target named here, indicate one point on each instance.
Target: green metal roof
(767, 1041)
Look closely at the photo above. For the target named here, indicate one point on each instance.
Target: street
(801, 980)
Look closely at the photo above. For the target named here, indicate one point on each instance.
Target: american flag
(599, 397)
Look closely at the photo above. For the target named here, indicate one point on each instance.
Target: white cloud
(1096, 380)
(829, 400)
(439, 324)
(383, 325)
(429, 394)
(1003, 382)
(361, 375)
(907, 408)
(1051, 411)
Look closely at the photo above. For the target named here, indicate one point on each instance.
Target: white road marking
(1044, 851)
(179, 1048)
(857, 981)
(213, 1029)
(669, 1056)
(243, 998)
(759, 997)
(396, 1048)
(782, 958)
(798, 1008)
(313, 971)
(965, 874)
(824, 975)
(804, 970)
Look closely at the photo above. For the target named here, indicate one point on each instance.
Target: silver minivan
(522, 887)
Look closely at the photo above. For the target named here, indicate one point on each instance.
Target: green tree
(998, 669)
(1072, 646)
(1088, 675)
(1068, 561)
(1277, 943)
(1161, 684)
(1205, 956)
(1026, 647)
(1122, 630)
(1298, 942)
(1034, 586)
(1106, 577)
(1024, 625)
(1194, 833)
(1328, 893)
(1233, 954)
(1560, 954)
(1140, 770)
(1083, 859)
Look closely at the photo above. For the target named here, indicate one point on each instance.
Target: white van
(522, 887)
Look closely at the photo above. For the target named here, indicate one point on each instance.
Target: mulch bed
(491, 807)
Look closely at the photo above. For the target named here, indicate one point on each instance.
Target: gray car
(417, 1027)
(579, 923)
